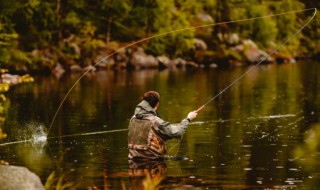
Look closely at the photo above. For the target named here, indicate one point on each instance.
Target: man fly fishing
(148, 133)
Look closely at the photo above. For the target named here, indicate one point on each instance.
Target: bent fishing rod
(171, 32)
(256, 65)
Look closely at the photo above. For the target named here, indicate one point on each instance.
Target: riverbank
(113, 56)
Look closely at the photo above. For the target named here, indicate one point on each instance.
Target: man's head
(152, 97)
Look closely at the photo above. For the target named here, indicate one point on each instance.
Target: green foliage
(4, 87)
(288, 24)
(308, 152)
(26, 25)
(20, 57)
(88, 42)
(6, 46)
(164, 17)
(56, 182)
(71, 21)
(262, 31)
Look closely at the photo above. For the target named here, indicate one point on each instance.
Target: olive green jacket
(164, 130)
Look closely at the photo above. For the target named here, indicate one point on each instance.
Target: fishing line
(163, 34)
(63, 136)
(252, 68)
(91, 133)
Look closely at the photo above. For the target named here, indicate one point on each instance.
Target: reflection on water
(246, 139)
(152, 174)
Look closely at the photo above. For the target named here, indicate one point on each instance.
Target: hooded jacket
(148, 133)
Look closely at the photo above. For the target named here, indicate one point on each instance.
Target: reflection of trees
(146, 175)
(229, 146)
(4, 105)
(307, 155)
(269, 90)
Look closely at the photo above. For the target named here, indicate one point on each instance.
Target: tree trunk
(109, 29)
(58, 20)
(222, 15)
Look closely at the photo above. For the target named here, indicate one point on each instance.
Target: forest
(69, 124)
(42, 36)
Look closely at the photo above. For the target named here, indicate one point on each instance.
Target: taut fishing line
(255, 66)
(180, 30)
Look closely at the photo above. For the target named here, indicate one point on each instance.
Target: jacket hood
(144, 110)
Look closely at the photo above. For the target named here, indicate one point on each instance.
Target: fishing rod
(163, 34)
(256, 65)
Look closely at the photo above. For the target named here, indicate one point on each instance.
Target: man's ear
(156, 107)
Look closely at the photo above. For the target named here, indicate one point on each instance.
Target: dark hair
(152, 97)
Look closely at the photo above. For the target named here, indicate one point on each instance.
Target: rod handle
(199, 109)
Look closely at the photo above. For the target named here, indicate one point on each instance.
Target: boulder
(89, 68)
(75, 68)
(10, 79)
(253, 54)
(164, 61)
(256, 55)
(213, 65)
(233, 39)
(15, 177)
(121, 56)
(141, 60)
(200, 44)
(103, 62)
(191, 64)
(58, 70)
(250, 44)
(205, 17)
(179, 62)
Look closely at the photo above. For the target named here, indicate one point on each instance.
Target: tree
(150, 17)
(288, 24)
(112, 13)
(264, 30)
(312, 31)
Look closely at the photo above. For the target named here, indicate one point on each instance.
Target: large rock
(164, 61)
(10, 79)
(179, 62)
(253, 54)
(104, 61)
(18, 178)
(141, 60)
(233, 39)
(76, 68)
(58, 70)
(205, 17)
(200, 44)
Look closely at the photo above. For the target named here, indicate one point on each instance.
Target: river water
(254, 136)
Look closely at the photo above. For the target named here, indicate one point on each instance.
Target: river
(254, 136)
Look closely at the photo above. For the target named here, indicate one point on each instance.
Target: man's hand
(192, 115)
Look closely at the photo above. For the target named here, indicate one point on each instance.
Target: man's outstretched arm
(168, 131)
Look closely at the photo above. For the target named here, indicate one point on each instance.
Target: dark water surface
(246, 139)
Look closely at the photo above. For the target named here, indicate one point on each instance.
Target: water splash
(39, 139)
(32, 133)
(39, 135)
